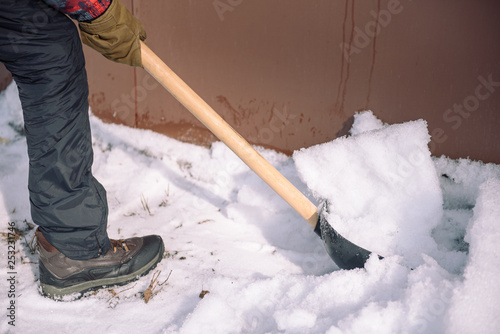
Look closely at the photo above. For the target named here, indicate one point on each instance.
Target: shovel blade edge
(344, 253)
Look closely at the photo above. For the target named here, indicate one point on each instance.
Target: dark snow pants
(42, 49)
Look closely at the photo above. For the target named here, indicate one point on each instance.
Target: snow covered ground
(259, 267)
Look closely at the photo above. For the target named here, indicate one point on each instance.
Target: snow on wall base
(479, 295)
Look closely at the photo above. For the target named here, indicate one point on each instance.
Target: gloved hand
(116, 34)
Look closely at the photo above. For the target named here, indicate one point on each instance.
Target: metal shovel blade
(344, 253)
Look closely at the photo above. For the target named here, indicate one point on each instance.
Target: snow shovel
(343, 252)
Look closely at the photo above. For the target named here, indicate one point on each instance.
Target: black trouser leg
(42, 49)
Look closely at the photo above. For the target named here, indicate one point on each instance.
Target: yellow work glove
(116, 34)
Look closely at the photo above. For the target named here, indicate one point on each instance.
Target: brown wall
(291, 73)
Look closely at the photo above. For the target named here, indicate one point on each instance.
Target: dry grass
(154, 286)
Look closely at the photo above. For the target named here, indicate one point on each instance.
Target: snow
(376, 182)
(265, 270)
(480, 292)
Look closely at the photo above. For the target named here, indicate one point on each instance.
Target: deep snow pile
(266, 271)
(381, 185)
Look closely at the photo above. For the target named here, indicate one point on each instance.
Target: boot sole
(59, 293)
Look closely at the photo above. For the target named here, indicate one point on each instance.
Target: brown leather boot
(125, 262)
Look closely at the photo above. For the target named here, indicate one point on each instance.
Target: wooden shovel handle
(220, 128)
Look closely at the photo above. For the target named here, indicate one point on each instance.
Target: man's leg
(42, 49)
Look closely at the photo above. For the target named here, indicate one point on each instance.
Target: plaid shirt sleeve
(80, 10)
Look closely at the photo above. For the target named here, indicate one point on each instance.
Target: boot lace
(120, 243)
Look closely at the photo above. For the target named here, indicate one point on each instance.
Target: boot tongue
(42, 242)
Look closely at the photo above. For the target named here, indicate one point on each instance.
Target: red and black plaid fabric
(80, 10)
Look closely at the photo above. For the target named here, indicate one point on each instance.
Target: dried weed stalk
(151, 291)
(114, 293)
(145, 204)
